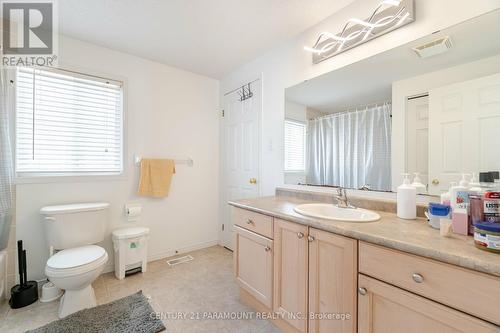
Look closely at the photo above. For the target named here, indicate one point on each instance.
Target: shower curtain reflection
(6, 171)
(351, 149)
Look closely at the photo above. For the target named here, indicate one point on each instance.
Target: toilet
(71, 232)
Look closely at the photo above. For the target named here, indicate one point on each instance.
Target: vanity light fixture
(389, 15)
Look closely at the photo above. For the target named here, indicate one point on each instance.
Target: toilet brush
(26, 292)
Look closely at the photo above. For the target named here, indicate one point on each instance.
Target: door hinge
(223, 113)
(223, 227)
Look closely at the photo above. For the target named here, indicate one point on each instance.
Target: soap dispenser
(417, 183)
(407, 199)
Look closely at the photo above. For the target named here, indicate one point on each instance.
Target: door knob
(435, 182)
(253, 181)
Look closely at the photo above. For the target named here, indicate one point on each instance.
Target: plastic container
(462, 186)
(131, 250)
(446, 196)
(407, 200)
(436, 212)
(491, 206)
(445, 229)
(487, 236)
(476, 210)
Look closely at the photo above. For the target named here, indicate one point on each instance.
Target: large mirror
(430, 107)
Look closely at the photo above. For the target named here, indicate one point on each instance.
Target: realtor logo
(28, 33)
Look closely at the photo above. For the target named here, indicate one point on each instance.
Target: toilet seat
(76, 261)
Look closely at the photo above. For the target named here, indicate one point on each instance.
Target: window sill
(69, 178)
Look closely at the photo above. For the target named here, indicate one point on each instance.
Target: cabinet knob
(362, 291)
(435, 182)
(249, 221)
(267, 248)
(417, 278)
(300, 235)
(310, 238)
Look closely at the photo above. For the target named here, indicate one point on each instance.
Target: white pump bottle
(407, 200)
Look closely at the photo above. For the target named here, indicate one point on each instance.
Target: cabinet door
(254, 264)
(332, 282)
(290, 273)
(384, 308)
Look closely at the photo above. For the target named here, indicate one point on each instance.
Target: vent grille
(180, 260)
(433, 48)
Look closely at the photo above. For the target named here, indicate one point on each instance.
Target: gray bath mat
(128, 314)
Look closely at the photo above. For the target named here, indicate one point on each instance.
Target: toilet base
(76, 300)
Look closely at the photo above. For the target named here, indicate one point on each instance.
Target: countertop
(412, 236)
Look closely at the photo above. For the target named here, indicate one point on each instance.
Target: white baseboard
(110, 266)
(190, 248)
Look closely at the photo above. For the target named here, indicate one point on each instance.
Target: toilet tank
(73, 225)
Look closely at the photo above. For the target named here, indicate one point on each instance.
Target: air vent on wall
(433, 48)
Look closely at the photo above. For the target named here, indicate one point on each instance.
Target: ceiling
(370, 80)
(209, 37)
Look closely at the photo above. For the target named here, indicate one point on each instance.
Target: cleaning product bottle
(446, 196)
(417, 183)
(463, 185)
(407, 199)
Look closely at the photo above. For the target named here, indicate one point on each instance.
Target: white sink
(332, 212)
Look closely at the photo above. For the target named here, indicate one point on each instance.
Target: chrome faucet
(342, 201)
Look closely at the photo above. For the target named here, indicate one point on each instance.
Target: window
(67, 124)
(295, 146)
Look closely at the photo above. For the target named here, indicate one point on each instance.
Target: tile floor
(204, 285)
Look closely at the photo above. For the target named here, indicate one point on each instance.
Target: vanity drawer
(469, 291)
(258, 223)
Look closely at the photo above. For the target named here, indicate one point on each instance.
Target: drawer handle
(310, 238)
(362, 291)
(249, 221)
(267, 248)
(300, 235)
(417, 278)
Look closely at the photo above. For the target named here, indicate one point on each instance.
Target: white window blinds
(295, 143)
(67, 123)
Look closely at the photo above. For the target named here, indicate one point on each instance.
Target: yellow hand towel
(156, 176)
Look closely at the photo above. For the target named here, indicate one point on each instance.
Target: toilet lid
(75, 257)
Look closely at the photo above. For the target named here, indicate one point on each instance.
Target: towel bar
(188, 161)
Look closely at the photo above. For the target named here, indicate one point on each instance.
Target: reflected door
(464, 122)
(417, 129)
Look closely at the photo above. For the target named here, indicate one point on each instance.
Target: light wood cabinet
(332, 282)
(384, 308)
(291, 273)
(253, 265)
(459, 288)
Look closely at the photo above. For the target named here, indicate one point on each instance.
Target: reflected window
(295, 146)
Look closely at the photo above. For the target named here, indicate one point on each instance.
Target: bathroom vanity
(393, 275)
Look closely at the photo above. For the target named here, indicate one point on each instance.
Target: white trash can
(131, 250)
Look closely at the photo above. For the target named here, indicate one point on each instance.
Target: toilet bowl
(74, 270)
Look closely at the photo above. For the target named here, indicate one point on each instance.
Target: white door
(464, 122)
(417, 137)
(241, 153)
